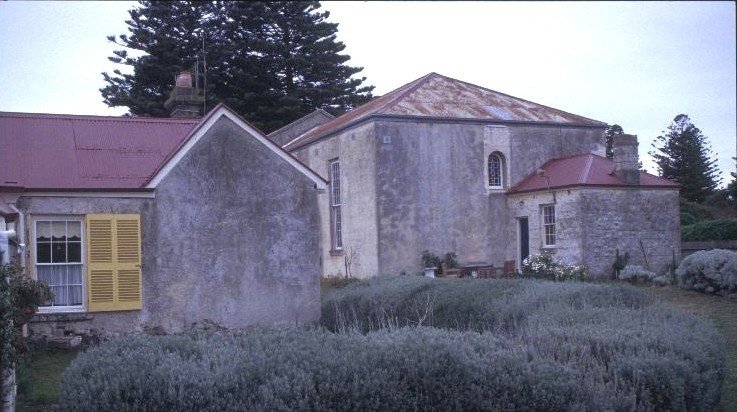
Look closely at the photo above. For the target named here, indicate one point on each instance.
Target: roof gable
(583, 170)
(201, 130)
(434, 96)
(63, 152)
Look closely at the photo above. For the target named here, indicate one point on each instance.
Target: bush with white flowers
(544, 266)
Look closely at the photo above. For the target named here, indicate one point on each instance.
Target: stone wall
(97, 323)
(640, 223)
(355, 150)
(230, 239)
(416, 184)
(236, 238)
(594, 224)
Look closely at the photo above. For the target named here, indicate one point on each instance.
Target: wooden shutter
(113, 262)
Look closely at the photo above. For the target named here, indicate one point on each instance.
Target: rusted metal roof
(582, 170)
(71, 152)
(440, 97)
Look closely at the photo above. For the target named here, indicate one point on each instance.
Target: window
(336, 229)
(496, 171)
(106, 277)
(548, 213)
(58, 246)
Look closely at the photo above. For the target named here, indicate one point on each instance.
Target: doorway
(524, 239)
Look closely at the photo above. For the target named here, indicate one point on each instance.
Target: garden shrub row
(667, 360)
(719, 229)
(412, 343)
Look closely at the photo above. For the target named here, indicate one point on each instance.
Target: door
(524, 239)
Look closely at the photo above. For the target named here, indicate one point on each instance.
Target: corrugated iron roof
(441, 97)
(56, 151)
(582, 170)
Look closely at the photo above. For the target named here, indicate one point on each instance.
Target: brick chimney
(626, 160)
(184, 101)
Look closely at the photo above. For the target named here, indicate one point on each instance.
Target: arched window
(496, 171)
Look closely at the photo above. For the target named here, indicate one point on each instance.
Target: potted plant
(430, 262)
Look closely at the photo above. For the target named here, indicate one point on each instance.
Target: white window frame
(547, 219)
(81, 264)
(336, 218)
(499, 166)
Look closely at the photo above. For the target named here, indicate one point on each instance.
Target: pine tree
(611, 131)
(272, 62)
(170, 36)
(683, 155)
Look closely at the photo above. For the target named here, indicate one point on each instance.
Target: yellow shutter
(113, 262)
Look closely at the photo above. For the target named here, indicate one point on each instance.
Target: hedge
(721, 229)
(411, 343)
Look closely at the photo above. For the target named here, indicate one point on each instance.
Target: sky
(636, 64)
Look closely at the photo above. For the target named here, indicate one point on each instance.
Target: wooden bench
(449, 272)
(509, 268)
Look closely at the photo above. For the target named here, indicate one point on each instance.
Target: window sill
(337, 252)
(68, 316)
(494, 190)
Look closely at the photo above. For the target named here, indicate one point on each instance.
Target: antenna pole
(204, 70)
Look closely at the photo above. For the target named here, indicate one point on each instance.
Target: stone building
(159, 224)
(447, 166)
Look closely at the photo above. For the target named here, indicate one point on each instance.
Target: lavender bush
(411, 343)
(709, 271)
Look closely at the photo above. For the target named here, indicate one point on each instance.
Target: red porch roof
(582, 170)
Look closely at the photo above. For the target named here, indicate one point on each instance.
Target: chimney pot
(183, 79)
(184, 100)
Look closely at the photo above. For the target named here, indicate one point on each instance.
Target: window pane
(59, 231)
(65, 281)
(43, 252)
(74, 231)
(43, 231)
(58, 252)
(74, 252)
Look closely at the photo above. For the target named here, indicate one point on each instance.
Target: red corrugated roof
(441, 97)
(67, 152)
(582, 170)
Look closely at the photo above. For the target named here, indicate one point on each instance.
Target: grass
(723, 312)
(39, 379)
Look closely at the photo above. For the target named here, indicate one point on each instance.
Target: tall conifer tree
(272, 62)
(683, 155)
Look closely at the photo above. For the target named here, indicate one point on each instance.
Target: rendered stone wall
(236, 238)
(97, 323)
(231, 238)
(432, 187)
(411, 185)
(355, 150)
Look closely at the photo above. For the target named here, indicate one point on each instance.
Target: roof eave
(377, 116)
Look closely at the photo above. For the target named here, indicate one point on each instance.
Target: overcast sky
(636, 64)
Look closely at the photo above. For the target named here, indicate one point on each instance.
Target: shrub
(537, 345)
(544, 266)
(709, 271)
(721, 229)
(636, 274)
(608, 333)
(429, 259)
(20, 296)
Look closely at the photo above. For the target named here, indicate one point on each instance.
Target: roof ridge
(410, 87)
(62, 116)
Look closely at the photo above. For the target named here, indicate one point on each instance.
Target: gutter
(21, 234)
